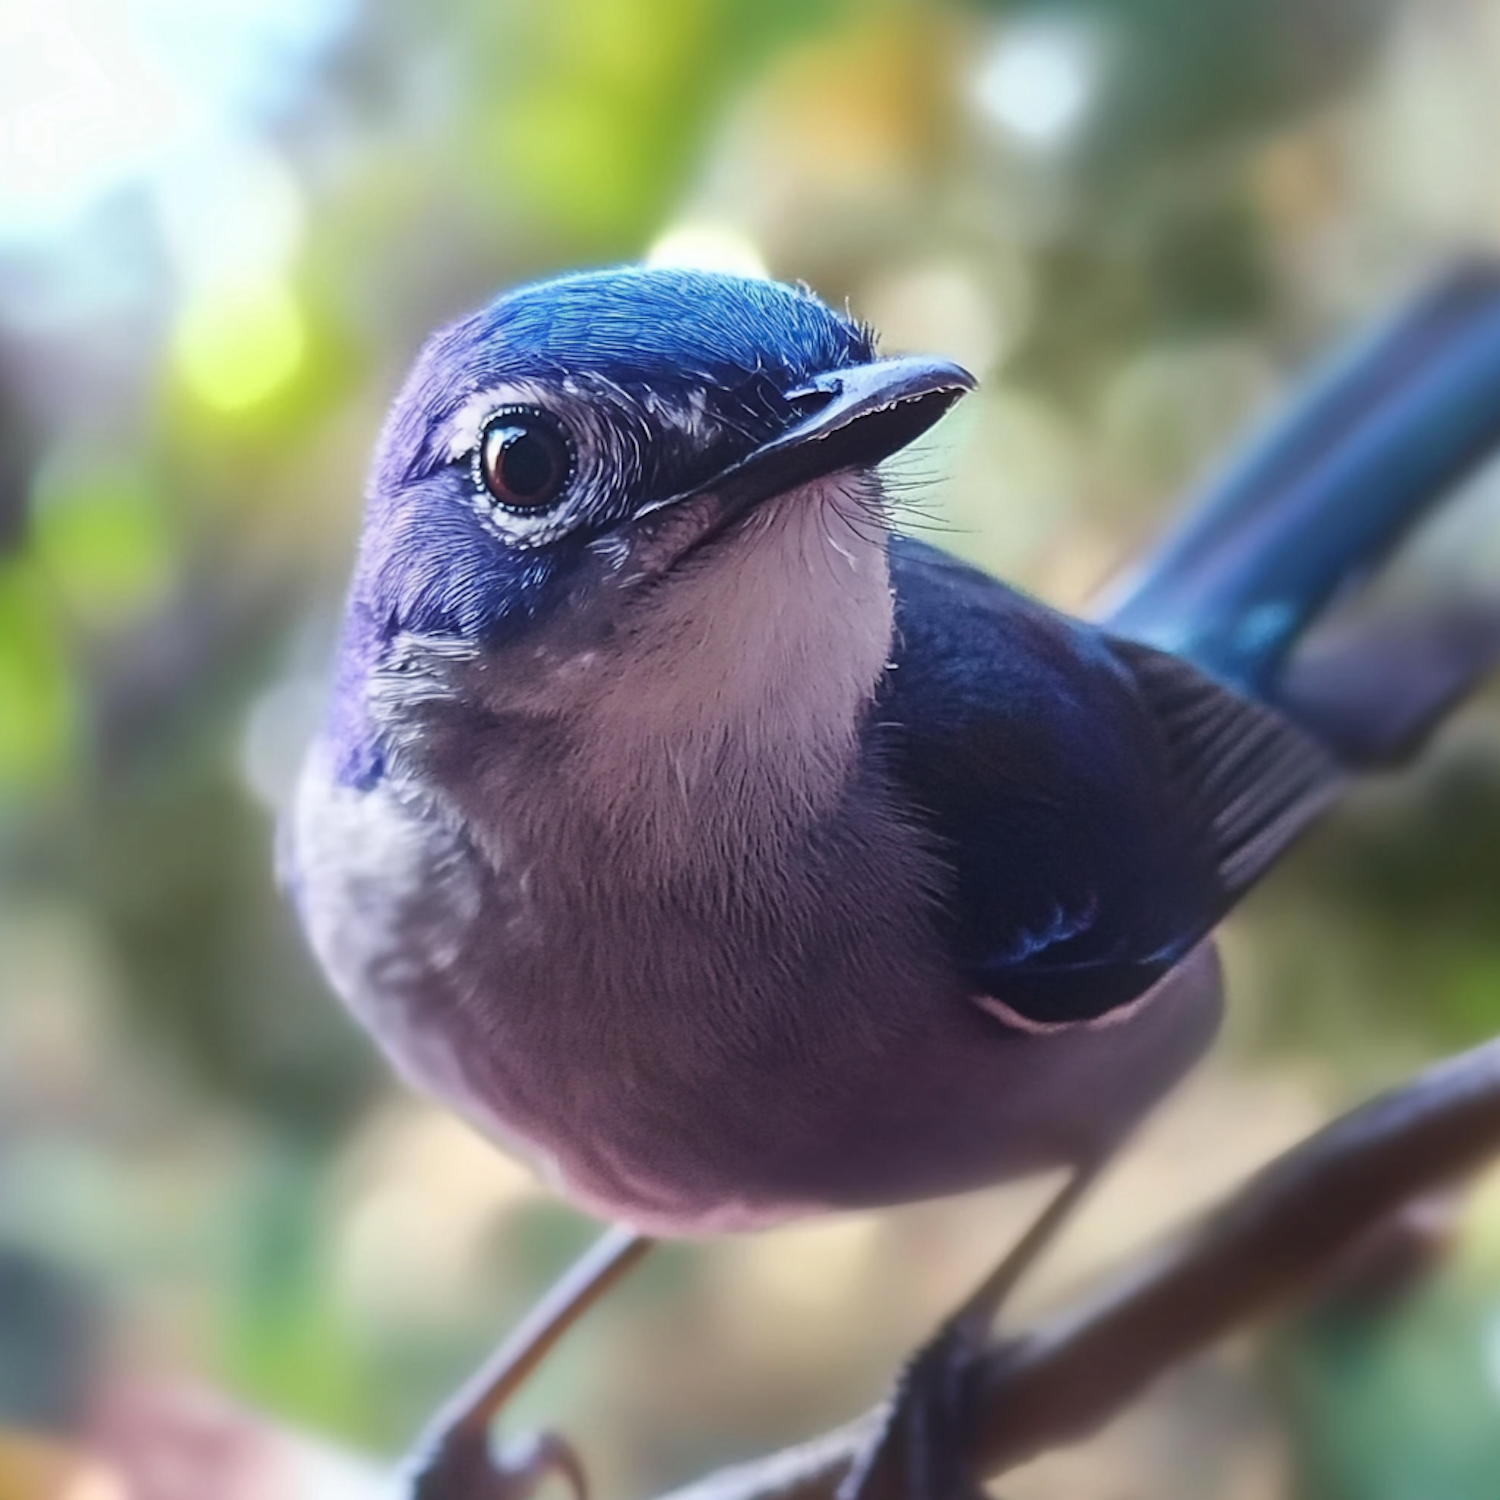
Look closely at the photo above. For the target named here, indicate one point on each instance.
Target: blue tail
(1322, 497)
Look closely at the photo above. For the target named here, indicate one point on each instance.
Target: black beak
(856, 417)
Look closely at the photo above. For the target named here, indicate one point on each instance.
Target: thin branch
(1273, 1239)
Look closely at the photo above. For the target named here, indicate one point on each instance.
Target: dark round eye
(525, 459)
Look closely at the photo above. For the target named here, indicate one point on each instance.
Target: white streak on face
(469, 420)
(580, 402)
(689, 416)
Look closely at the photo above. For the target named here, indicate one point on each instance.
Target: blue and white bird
(733, 857)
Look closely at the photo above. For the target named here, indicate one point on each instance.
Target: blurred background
(225, 226)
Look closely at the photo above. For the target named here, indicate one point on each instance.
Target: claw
(920, 1450)
(534, 1456)
(453, 1459)
(463, 1467)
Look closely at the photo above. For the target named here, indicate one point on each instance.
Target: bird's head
(560, 460)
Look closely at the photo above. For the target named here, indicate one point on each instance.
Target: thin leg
(452, 1460)
(920, 1450)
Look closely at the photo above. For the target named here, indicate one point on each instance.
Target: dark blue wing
(1100, 803)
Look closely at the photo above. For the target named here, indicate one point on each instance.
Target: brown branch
(1287, 1225)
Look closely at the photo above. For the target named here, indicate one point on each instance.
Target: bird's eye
(525, 459)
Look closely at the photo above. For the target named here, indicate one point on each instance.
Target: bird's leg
(919, 1451)
(452, 1458)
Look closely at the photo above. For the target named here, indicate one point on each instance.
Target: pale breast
(646, 907)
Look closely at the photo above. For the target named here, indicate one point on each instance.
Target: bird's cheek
(660, 539)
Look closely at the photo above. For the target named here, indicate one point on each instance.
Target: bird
(732, 855)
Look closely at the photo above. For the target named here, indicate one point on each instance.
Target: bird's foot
(464, 1467)
(454, 1460)
(921, 1448)
(922, 1445)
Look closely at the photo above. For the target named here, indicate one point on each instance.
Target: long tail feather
(1325, 493)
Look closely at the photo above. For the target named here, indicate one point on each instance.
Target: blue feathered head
(546, 440)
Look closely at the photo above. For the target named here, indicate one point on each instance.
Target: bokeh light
(1038, 79)
(98, 94)
(237, 344)
(707, 247)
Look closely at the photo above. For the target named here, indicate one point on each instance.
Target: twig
(1287, 1225)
